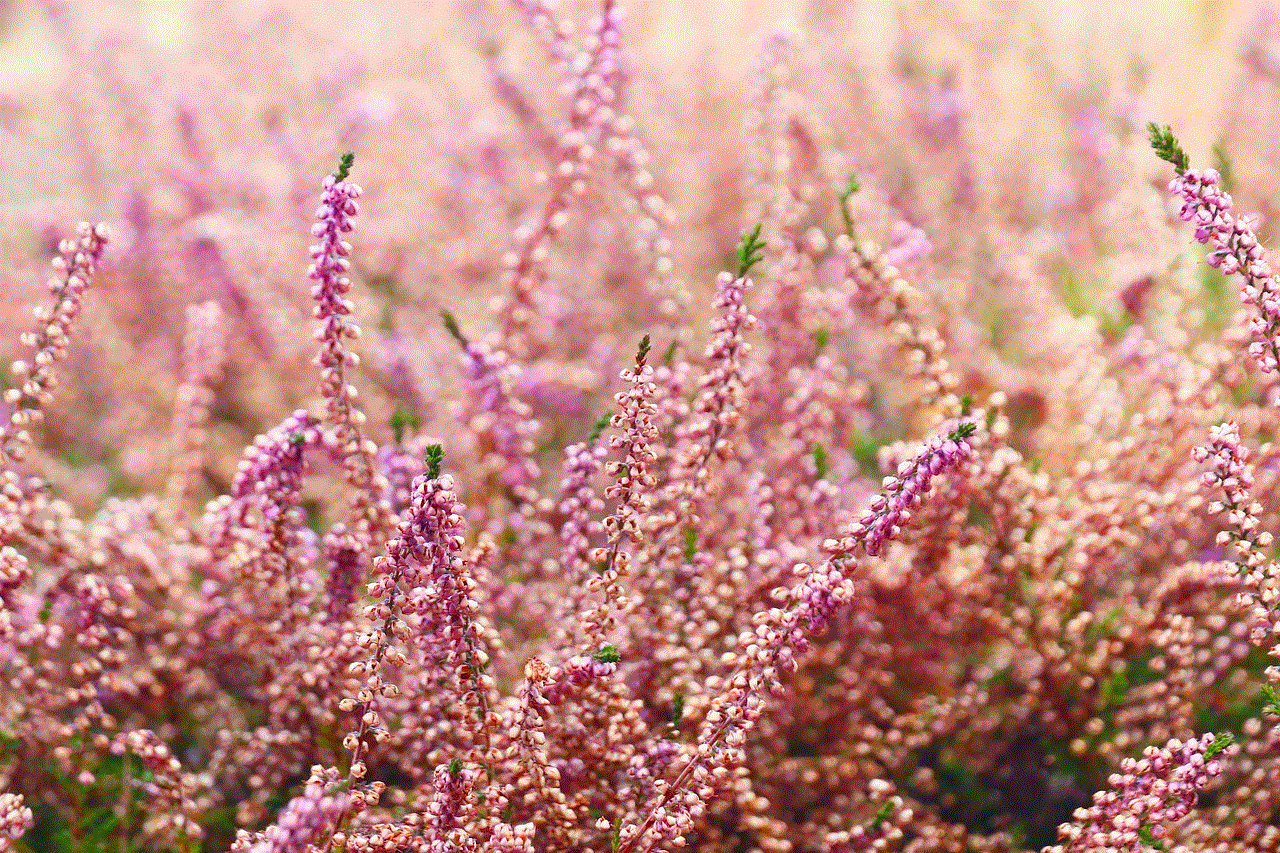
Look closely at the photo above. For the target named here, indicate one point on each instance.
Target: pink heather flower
(591, 98)
(346, 569)
(720, 396)
(438, 588)
(576, 673)
(14, 572)
(394, 356)
(329, 268)
(528, 746)
(15, 820)
(169, 789)
(765, 655)
(275, 460)
(307, 820)
(74, 269)
(1232, 477)
(902, 492)
(264, 498)
(580, 506)
(1236, 251)
(424, 595)
(452, 808)
(631, 484)
(1151, 792)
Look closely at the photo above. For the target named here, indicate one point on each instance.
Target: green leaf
(844, 194)
(402, 418)
(690, 544)
(750, 250)
(1272, 706)
(1166, 146)
(881, 815)
(435, 455)
(820, 460)
(601, 422)
(1219, 745)
(821, 337)
(344, 166)
(607, 654)
(451, 326)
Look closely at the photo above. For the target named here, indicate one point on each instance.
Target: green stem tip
(1166, 146)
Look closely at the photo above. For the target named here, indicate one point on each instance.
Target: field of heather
(736, 427)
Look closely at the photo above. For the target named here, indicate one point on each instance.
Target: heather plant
(608, 480)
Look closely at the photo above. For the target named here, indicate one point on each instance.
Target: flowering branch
(1236, 250)
(74, 266)
(329, 268)
(1146, 796)
(632, 482)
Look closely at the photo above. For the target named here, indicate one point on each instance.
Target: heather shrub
(824, 439)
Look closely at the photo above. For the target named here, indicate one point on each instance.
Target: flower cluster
(1236, 251)
(74, 269)
(306, 820)
(15, 819)
(1147, 795)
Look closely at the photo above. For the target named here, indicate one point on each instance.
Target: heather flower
(631, 484)
(264, 495)
(307, 820)
(15, 819)
(873, 283)
(1232, 477)
(1146, 796)
(903, 491)
(452, 808)
(168, 790)
(1236, 249)
(683, 639)
(329, 268)
(74, 269)
(910, 244)
(502, 420)
(423, 601)
(591, 96)
(14, 572)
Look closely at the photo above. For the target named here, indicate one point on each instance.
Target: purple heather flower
(891, 509)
